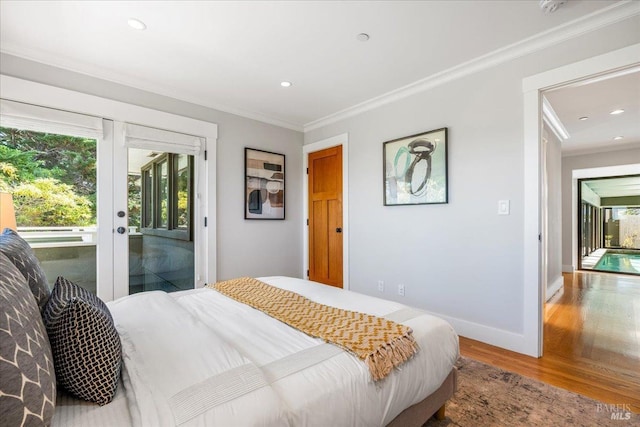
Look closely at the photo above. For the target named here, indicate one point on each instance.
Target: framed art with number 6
(415, 169)
(264, 184)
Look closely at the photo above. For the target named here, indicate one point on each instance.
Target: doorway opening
(609, 224)
(619, 62)
(587, 323)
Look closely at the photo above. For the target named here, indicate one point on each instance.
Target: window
(591, 229)
(182, 184)
(167, 186)
(622, 227)
(55, 196)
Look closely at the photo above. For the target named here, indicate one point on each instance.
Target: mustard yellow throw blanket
(381, 343)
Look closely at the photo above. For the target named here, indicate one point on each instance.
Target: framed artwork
(264, 184)
(415, 169)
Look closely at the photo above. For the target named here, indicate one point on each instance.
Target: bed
(200, 358)
(238, 366)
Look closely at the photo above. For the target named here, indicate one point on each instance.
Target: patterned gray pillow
(27, 378)
(22, 256)
(86, 346)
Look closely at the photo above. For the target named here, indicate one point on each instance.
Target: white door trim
(106, 274)
(342, 139)
(533, 87)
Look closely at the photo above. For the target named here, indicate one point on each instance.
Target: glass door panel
(160, 205)
(53, 180)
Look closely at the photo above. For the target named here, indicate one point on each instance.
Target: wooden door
(325, 216)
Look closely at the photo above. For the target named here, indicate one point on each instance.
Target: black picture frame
(415, 169)
(264, 183)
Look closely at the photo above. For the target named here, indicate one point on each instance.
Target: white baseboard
(567, 269)
(554, 287)
(487, 334)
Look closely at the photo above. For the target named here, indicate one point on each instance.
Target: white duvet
(198, 358)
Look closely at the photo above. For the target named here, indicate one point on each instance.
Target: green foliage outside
(52, 177)
(183, 201)
(134, 201)
(47, 202)
(629, 241)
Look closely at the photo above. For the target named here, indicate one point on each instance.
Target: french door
(115, 207)
(158, 209)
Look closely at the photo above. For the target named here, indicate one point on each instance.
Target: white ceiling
(595, 99)
(233, 55)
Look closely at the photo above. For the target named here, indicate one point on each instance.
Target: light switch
(503, 207)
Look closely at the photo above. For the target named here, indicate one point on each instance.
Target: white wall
(554, 214)
(460, 260)
(244, 248)
(586, 161)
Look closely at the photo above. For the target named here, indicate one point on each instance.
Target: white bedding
(197, 358)
(73, 412)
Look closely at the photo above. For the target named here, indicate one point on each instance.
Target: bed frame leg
(440, 413)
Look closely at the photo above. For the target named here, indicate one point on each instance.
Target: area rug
(490, 396)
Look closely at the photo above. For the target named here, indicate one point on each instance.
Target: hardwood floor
(591, 340)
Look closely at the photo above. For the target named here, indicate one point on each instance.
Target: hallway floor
(591, 340)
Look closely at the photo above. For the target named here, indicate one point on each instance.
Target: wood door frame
(342, 139)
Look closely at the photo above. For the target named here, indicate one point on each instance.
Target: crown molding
(139, 84)
(601, 18)
(618, 11)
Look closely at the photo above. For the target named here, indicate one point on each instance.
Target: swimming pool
(619, 261)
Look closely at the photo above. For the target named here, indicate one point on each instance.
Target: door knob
(339, 230)
(121, 214)
(121, 230)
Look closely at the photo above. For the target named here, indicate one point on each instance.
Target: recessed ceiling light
(285, 84)
(619, 111)
(363, 37)
(583, 118)
(618, 138)
(136, 24)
